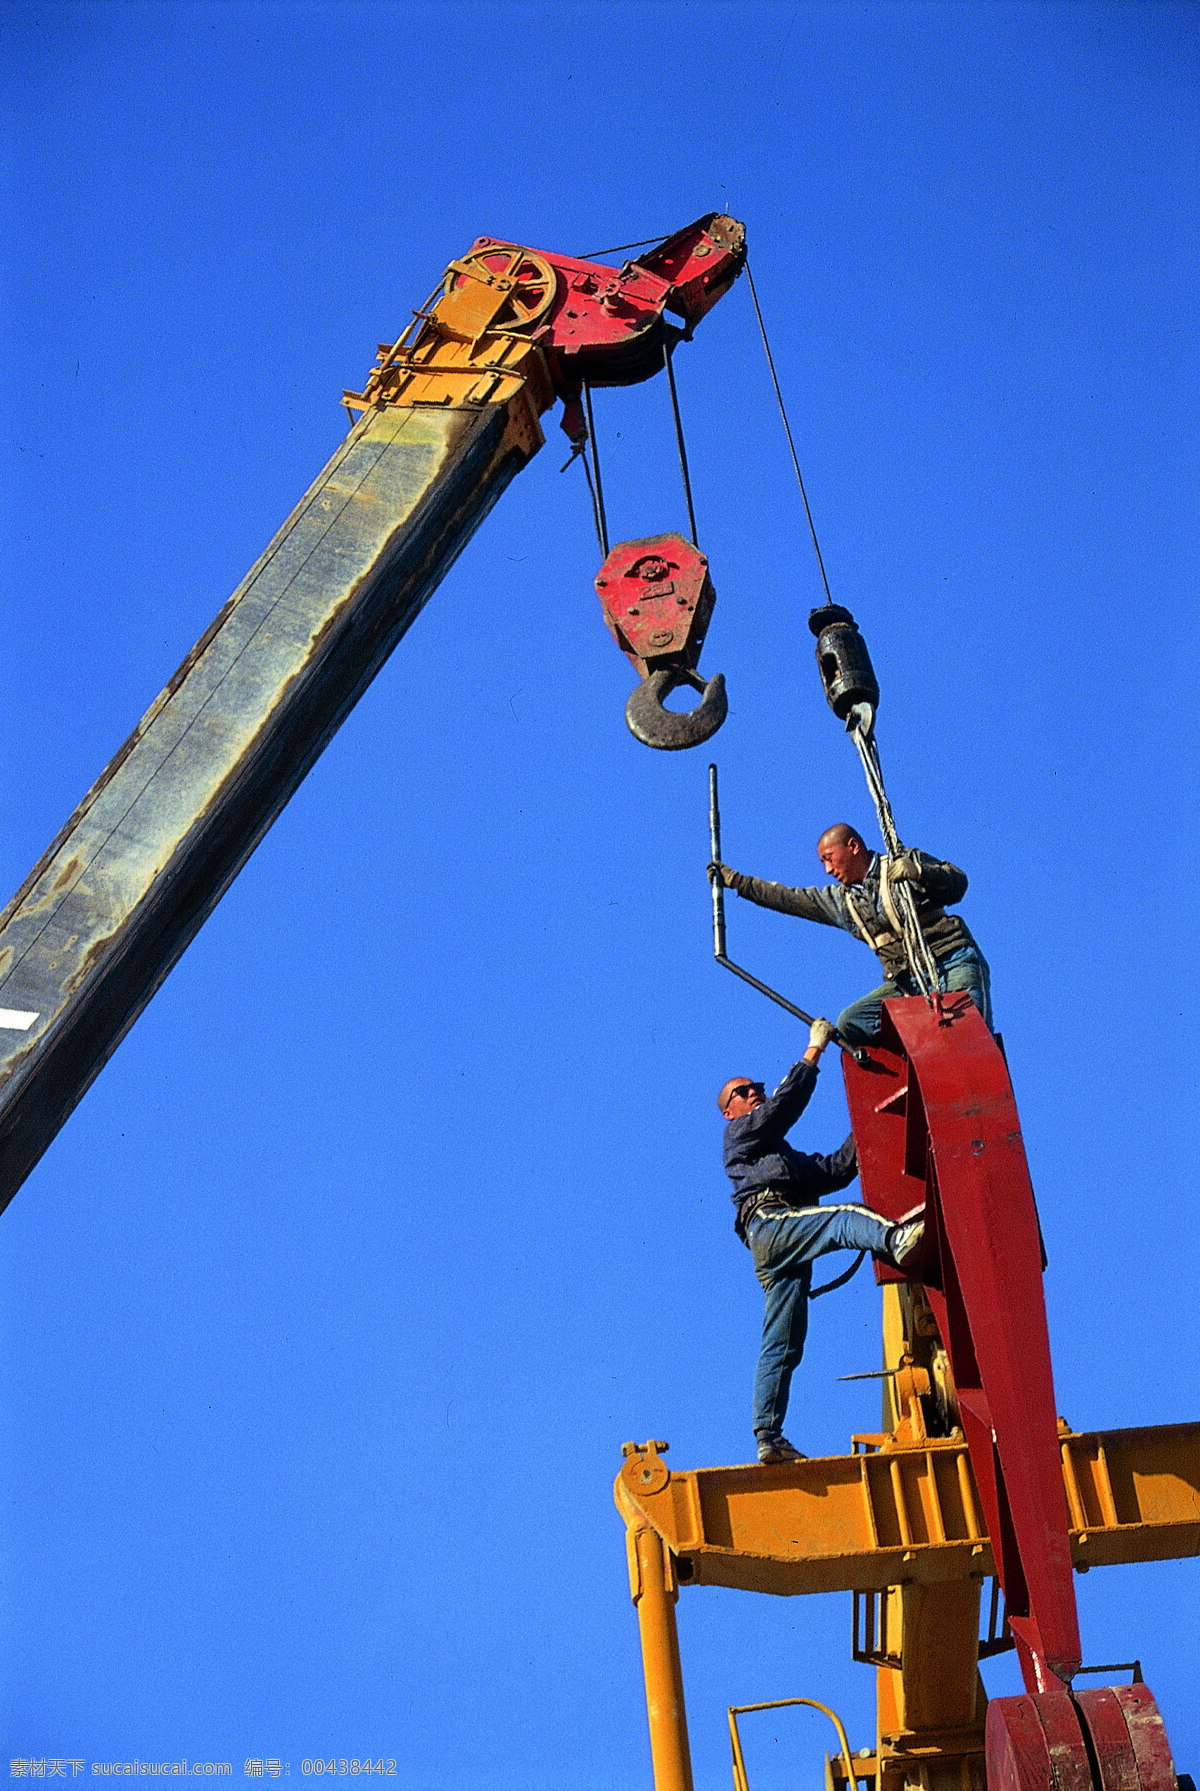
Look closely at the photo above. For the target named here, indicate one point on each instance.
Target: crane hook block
(657, 599)
(844, 663)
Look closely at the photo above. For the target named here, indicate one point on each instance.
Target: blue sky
(401, 1207)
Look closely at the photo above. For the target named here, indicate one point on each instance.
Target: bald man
(862, 902)
(776, 1190)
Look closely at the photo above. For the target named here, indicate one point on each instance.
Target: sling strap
(876, 941)
(886, 897)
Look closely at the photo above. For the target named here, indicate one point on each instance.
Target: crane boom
(448, 417)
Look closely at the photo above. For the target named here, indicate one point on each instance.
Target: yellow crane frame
(897, 1520)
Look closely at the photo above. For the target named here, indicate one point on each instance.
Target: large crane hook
(657, 599)
(671, 729)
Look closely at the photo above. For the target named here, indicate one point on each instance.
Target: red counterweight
(936, 1124)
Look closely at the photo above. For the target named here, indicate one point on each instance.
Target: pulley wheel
(533, 282)
(1035, 1743)
(1129, 1738)
(1110, 1738)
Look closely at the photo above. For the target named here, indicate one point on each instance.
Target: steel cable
(587, 473)
(788, 432)
(668, 352)
(921, 963)
(595, 254)
(597, 490)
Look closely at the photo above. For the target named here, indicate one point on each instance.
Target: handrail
(740, 1782)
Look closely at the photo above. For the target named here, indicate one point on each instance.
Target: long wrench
(719, 952)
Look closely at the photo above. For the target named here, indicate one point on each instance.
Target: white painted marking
(12, 1019)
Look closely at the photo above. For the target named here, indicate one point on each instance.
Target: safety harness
(885, 935)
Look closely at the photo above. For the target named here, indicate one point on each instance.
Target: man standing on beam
(862, 902)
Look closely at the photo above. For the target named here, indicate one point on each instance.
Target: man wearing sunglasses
(775, 1193)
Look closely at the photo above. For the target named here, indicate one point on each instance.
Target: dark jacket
(860, 909)
(758, 1156)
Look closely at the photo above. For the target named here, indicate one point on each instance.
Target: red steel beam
(936, 1122)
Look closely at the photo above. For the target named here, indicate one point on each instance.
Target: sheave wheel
(534, 282)
(1038, 1743)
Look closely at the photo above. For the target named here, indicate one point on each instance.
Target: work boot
(772, 1448)
(906, 1244)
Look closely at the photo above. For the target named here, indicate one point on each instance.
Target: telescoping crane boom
(448, 416)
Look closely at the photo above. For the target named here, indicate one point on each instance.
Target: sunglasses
(741, 1089)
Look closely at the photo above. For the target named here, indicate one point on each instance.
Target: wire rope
(921, 962)
(597, 490)
(587, 473)
(592, 254)
(788, 432)
(668, 353)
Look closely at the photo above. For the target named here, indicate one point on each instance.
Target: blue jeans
(785, 1246)
(965, 968)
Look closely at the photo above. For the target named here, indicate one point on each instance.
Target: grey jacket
(861, 910)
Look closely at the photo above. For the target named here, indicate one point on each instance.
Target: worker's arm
(943, 883)
(839, 1169)
(770, 1123)
(820, 1034)
(810, 904)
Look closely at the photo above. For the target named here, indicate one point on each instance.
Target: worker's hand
(819, 1035)
(905, 867)
(722, 872)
